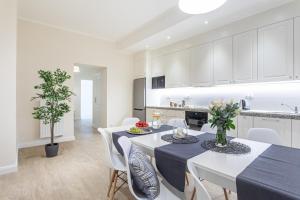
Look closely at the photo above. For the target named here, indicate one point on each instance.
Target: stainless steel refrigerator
(139, 98)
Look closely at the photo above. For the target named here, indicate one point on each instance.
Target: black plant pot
(51, 150)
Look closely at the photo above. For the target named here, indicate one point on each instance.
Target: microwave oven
(158, 82)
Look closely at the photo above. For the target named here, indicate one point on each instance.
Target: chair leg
(225, 194)
(114, 186)
(187, 179)
(111, 182)
(193, 194)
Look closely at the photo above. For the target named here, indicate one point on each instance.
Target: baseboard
(44, 141)
(9, 168)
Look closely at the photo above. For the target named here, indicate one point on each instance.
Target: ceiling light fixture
(205, 22)
(199, 6)
(168, 37)
(76, 69)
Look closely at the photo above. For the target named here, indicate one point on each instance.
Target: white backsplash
(263, 96)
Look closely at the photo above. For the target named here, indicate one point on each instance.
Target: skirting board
(41, 142)
(9, 168)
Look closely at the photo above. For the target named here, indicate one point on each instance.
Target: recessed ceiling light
(76, 69)
(168, 37)
(199, 6)
(205, 22)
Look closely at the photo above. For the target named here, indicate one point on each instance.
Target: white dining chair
(201, 192)
(177, 122)
(265, 135)
(113, 161)
(208, 129)
(165, 193)
(130, 121)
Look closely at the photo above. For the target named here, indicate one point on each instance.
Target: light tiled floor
(78, 173)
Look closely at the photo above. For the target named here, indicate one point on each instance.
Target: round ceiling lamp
(199, 6)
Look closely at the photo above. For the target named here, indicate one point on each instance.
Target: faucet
(295, 108)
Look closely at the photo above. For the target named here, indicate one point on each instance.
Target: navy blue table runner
(117, 135)
(274, 175)
(171, 159)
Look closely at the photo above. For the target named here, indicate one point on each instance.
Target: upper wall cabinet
(245, 57)
(177, 69)
(297, 48)
(157, 66)
(222, 61)
(139, 66)
(275, 52)
(201, 68)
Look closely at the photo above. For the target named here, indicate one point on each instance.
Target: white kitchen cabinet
(297, 48)
(177, 69)
(245, 57)
(166, 115)
(275, 52)
(296, 133)
(175, 114)
(282, 126)
(139, 65)
(222, 61)
(201, 68)
(244, 124)
(158, 65)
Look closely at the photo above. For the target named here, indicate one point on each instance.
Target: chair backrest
(177, 122)
(125, 143)
(265, 135)
(201, 192)
(107, 143)
(130, 121)
(208, 129)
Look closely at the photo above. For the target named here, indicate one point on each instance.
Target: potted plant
(222, 117)
(55, 96)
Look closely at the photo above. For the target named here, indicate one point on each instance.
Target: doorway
(90, 109)
(86, 103)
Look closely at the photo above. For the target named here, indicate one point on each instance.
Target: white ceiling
(106, 19)
(133, 24)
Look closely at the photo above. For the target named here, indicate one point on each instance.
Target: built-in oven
(195, 120)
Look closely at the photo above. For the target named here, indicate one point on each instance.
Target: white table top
(219, 168)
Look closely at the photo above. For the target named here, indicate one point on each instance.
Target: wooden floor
(78, 173)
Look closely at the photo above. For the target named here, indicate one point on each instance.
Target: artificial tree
(55, 96)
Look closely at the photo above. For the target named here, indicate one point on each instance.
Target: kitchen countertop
(254, 113)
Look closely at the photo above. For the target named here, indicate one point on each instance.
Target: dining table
(230, 170)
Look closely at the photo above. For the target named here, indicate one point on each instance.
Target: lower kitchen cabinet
(166, 115)
(282, 126)
(244, 124)
(296, 133)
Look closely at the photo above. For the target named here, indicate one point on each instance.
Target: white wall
(43, 47)
(8, 30)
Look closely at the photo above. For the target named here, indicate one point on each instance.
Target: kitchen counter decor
(222, 117)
